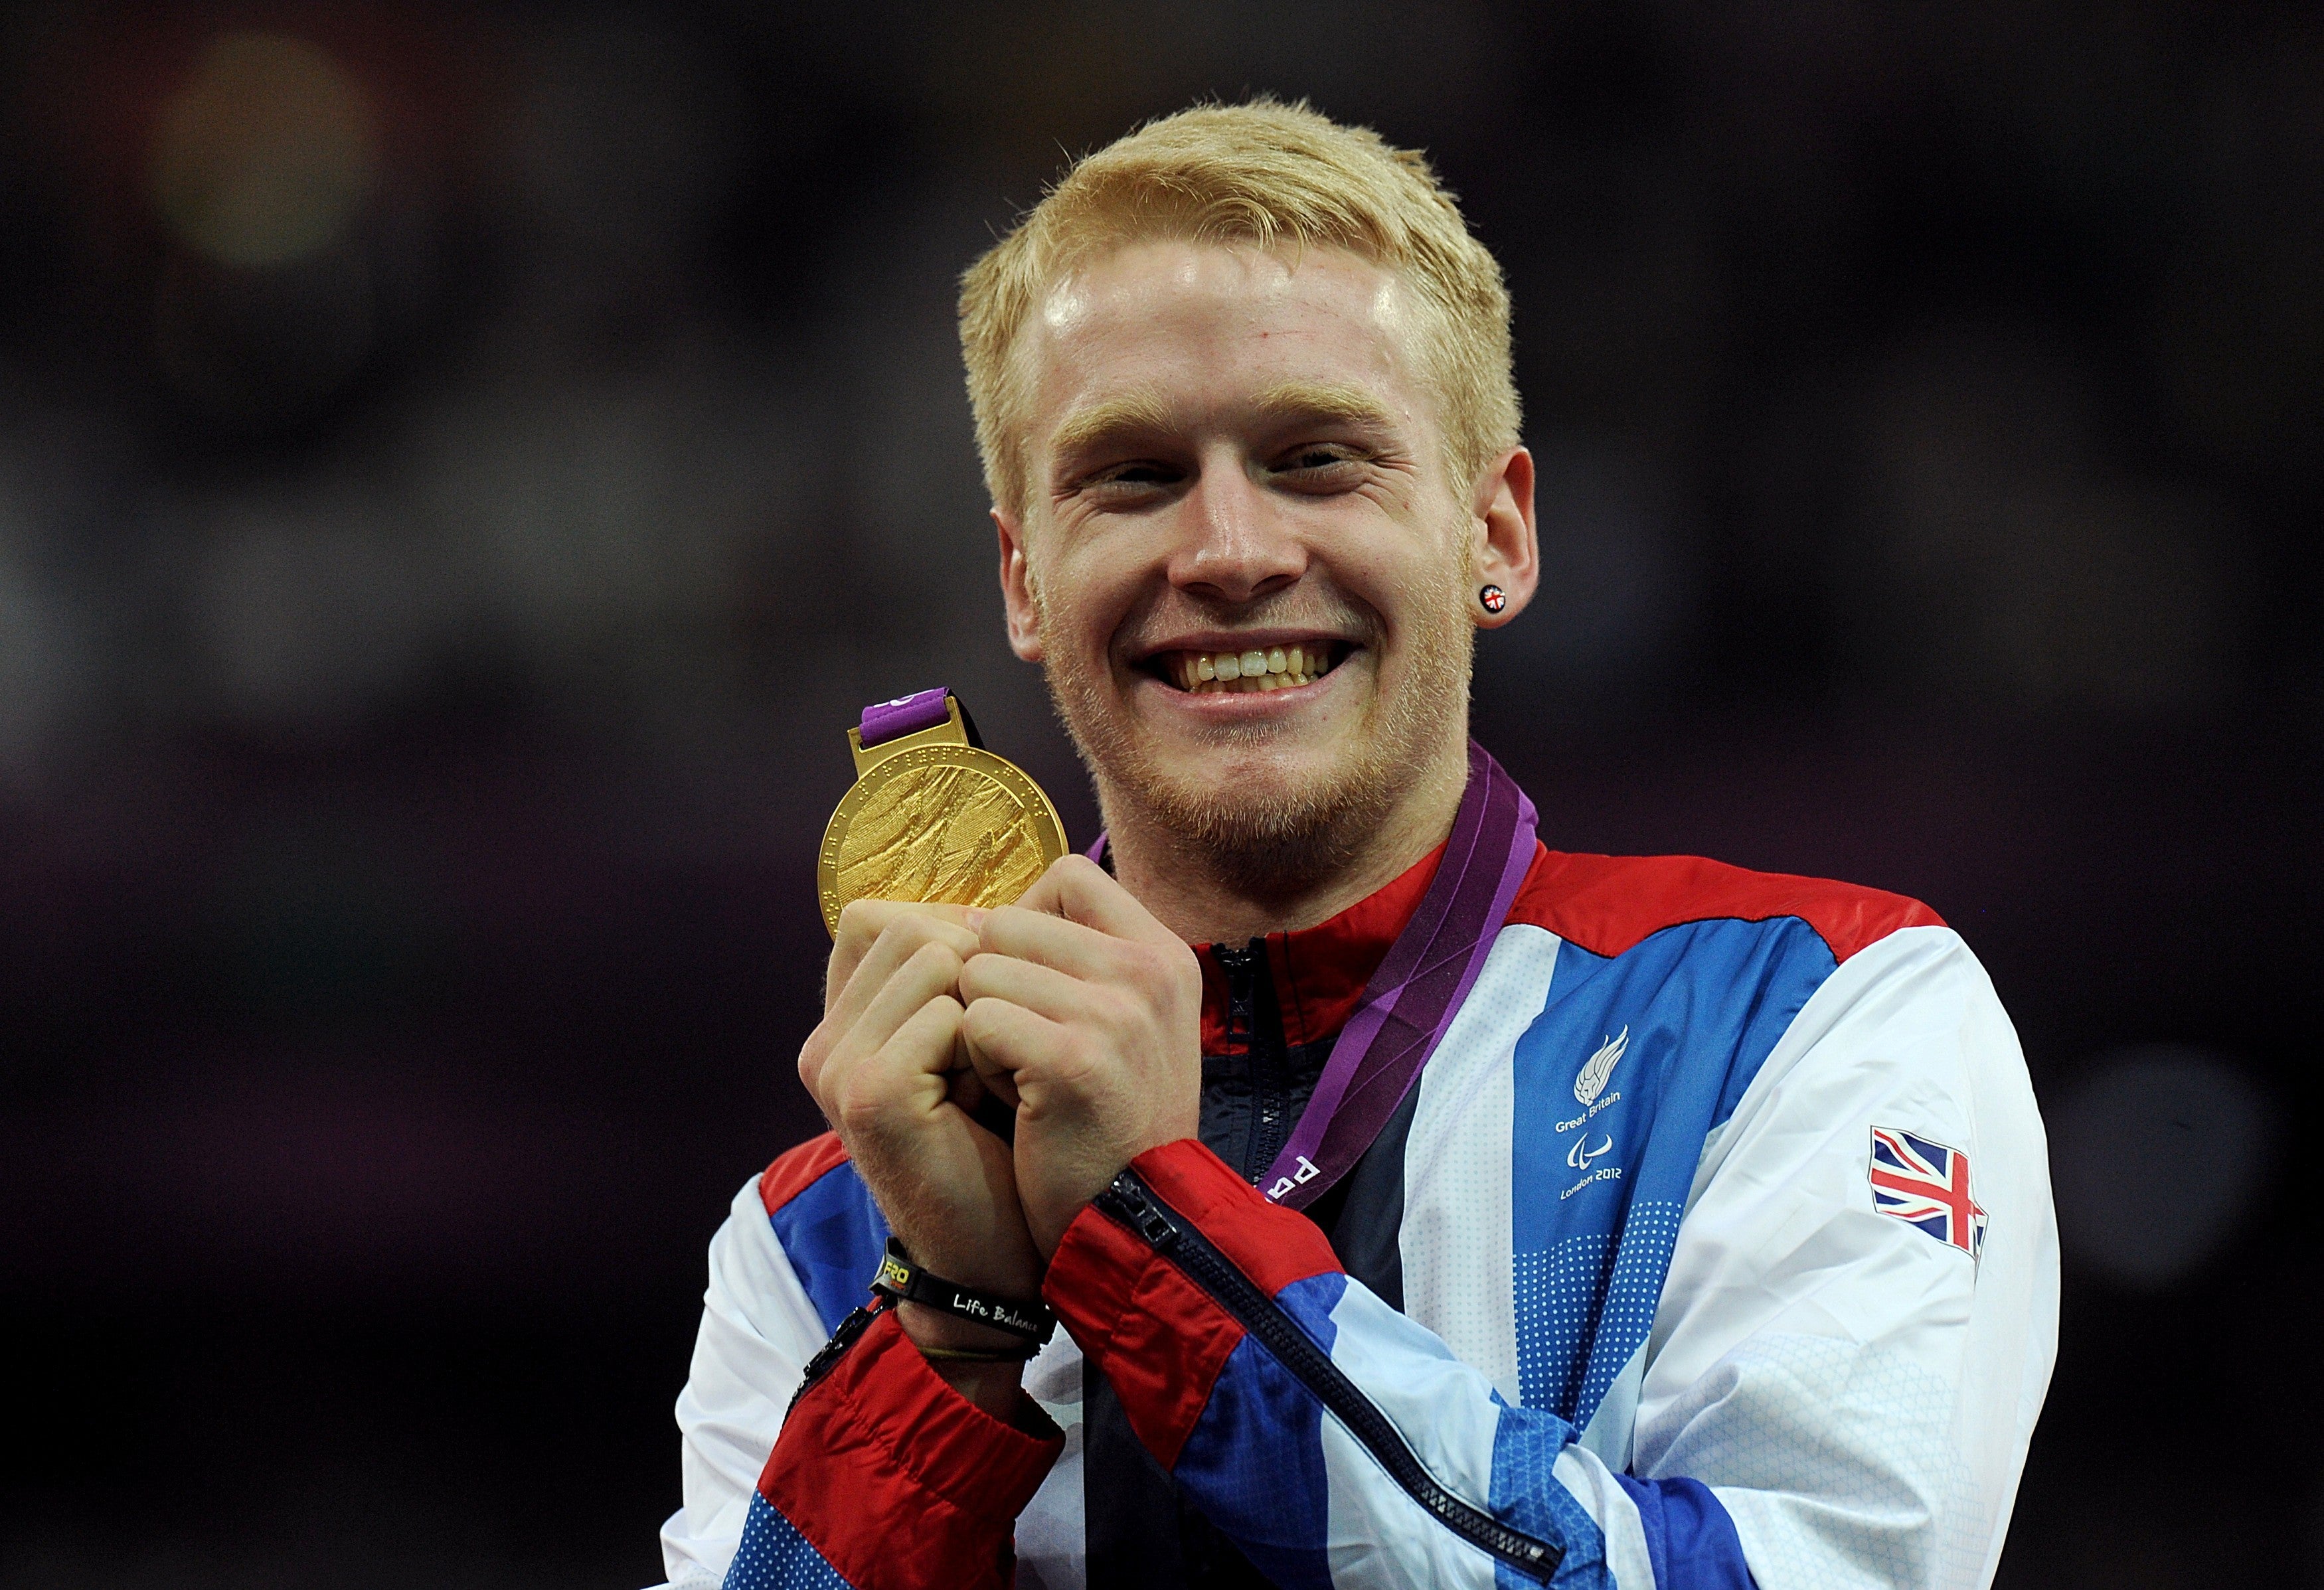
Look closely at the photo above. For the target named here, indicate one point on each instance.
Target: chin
(1268, 812)
(1274, 840)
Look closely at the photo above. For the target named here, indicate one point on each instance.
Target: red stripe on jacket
(1159, 1338)
(1320, 973)
(898, 1480)
(1608, 903)
(797, 1170)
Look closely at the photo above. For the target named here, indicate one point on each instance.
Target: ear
(1017, 590)
(1503, 549)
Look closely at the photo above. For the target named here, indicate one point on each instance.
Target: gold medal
(933, 816)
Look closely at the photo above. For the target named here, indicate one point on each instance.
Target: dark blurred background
(461, 468)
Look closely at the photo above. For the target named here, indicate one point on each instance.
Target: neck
(1207, 898)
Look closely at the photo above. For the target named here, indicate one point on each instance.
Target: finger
(901, 933)
(906, 1075)
(1070, 947)
(862, 923)
(932, 970)
(1078, 889)
(993, 1080)
(1004, 1040)
(1035, 985)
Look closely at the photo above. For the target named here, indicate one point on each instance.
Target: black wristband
(901, 1279)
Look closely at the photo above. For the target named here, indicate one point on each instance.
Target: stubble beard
(1274, 838)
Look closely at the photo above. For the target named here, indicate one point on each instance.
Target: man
(1616, 1226)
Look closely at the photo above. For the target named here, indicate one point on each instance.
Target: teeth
(1277, 668)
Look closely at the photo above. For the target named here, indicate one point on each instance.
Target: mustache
(1180, 613)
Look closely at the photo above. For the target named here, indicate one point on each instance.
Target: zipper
(843, 1338)
(1132, 1203)
(1241, 967)
(1267, 1134)
(1263, 1052)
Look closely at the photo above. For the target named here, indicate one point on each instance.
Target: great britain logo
(1599, 1068)
(1590, 1086)
(1589, 1092)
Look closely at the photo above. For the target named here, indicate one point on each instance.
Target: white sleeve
(1858, 1393)
(758, 1331)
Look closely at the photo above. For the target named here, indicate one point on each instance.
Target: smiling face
(1243, 560)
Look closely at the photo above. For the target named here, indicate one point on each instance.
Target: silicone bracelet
(901, 1278)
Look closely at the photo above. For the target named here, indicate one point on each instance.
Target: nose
(1235, 543)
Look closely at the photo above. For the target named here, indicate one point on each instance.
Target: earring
(1493, 598)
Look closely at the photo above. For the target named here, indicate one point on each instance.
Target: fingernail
(976, 915)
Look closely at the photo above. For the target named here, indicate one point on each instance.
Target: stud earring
(1493, 598)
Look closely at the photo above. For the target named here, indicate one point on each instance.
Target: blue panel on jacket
(1690, 1539)
(1632, 1062)
(774, 1555)
(1527, 1495)
(1254, 1461)
(834, 1234)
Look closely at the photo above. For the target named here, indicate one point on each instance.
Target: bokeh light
(2155, 1156)
(267, 155)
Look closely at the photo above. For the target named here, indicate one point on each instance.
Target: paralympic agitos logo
(1589, 1092)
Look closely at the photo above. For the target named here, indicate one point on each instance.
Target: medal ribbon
(907, 715)
(1417, 988)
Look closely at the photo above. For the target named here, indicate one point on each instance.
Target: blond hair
(1266, 174)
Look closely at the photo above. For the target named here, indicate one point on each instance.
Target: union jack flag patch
(1926, 1184)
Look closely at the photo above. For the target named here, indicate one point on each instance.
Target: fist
(1085, 1013)
(891, 1072)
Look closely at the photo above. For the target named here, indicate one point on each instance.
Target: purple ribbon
(907, 715)
(1417, 988)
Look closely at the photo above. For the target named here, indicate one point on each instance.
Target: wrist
(997, 1388)
(961, 1320)
(1047, 1218)
(993, 1385)
(1002, 1268)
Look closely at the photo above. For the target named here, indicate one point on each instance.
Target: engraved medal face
(945, 824)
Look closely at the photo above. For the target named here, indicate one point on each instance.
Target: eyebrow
(1321, 400)
(1144, 410)
(1148, 410)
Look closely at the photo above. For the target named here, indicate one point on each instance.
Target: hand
(1085, 1013)
(890, 1075)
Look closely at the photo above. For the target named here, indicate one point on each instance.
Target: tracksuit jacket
(1670, 1271)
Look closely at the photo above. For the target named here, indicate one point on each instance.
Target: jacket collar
(1319, 973)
